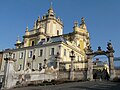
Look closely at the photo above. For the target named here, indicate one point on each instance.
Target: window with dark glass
(64, 52)
(40, 66)
(21, 55)
(47, 39)
(20, 67)
(52, 51)
(57, 32)
(41, 52)
(30, 54)
(78, 58)
(33, 43)
(13, 55)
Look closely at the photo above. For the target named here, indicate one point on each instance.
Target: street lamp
(72, 56)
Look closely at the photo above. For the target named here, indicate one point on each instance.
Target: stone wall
(39, 76)
(79, 75)
(63, 75)
(117, 72)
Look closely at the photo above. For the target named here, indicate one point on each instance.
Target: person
(107, 76)
(95, 76)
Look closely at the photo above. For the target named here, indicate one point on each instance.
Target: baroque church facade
(46, 43)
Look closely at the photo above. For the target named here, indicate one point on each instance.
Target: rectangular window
(41, 52)
(13, 55)
(6, 56)
(20, 67)
(64, 52)
(21, 55)
(52, 51)
(39, 66)
(57, 32)
(69, 54)
(78, 58)
(30, 54)
(33, 43)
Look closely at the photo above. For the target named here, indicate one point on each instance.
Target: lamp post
(72, 56)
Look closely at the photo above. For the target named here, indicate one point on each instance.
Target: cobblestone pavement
(89, 85)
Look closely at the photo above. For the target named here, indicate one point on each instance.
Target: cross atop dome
(51, 5)
(50, 11)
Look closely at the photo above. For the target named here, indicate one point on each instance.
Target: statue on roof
(99, 48)
(82, 20)
(83, 25)
(88, 49)
(109, 46)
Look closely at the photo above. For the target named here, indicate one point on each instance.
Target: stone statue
(109, 46)
(88, 49)
(99, 48)
(83, 20)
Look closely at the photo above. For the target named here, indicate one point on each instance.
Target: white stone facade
(47, 51)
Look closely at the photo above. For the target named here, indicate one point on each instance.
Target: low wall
(39, 76)
(80, 75)
(23, 77)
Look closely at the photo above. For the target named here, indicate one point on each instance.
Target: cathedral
(46, 43)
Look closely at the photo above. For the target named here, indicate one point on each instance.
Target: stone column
(90, 54)
(110, 53)
(9, 74)
(90, 68)
(111, 66)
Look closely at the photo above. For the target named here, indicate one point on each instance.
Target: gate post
(9, 81)
(90, 69)
(110, 52)
(111, 66)
(89, 53)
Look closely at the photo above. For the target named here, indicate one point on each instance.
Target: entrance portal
(100, 67)
(109, 53)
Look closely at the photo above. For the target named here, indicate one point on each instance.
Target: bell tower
(53, 25)
(81, 35)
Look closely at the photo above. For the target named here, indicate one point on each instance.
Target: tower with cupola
(81, 35)
(46, 26)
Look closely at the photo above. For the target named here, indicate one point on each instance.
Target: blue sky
(102, 18)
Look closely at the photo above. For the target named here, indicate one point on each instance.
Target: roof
(52, 40)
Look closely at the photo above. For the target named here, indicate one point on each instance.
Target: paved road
(89, 85)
